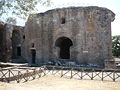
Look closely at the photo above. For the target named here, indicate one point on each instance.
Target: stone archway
(64, 45)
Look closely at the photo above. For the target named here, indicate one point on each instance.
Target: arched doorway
(64, 44)
(16, 44)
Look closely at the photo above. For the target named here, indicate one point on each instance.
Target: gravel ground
(51, 82)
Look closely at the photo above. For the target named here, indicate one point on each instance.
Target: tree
(116, 45)
(11, 20)
(20, 8)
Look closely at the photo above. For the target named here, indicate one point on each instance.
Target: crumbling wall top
(95, 9)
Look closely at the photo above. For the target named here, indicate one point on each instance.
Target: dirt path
(51, 82)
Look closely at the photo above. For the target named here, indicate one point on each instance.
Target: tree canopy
(116, 45)
(20, 8)
(11, 20)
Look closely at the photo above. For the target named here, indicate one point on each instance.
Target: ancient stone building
(11, 38)
(78, 34)
(75, 34)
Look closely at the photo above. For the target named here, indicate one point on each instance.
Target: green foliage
(116, 45)
(11, 20)
(20, 8)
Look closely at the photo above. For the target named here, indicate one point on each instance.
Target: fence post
(8, 76)
(102, 75)
(27, 71)
(81, 73)
(92, 74)
(71, 73)
(61, 73)
(39, 72)
(52, 70)
(114, 75)
(34, 73)
(18, 77)
(44, 72)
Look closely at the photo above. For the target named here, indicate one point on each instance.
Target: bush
(116, 45)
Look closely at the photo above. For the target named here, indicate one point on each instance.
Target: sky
(113, 5)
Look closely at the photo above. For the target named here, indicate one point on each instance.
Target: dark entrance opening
(18, 51)
(16, 48)
(64, 44)
(33, 52)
